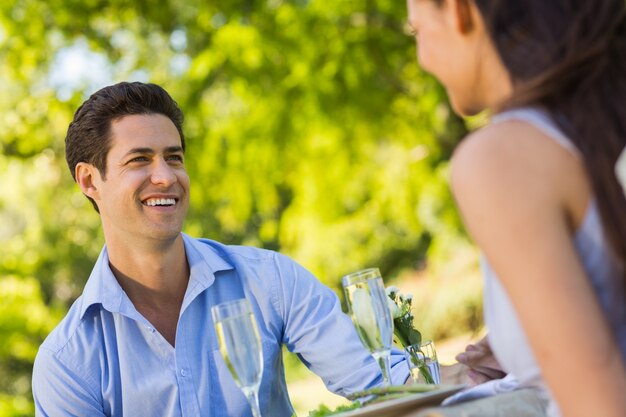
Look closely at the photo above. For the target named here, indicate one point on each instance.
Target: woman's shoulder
(516, 138)
(503, 151)
(513, 162)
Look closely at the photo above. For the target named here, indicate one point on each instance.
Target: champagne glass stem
(384, 358)
(253, 398)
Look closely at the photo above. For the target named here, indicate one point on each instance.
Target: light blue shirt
(106, 359)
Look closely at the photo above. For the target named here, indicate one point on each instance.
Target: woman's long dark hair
(570, 57)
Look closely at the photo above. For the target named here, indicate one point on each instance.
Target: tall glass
(240, 346)
(367, 302)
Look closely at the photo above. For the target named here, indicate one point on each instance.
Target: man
(140, 340)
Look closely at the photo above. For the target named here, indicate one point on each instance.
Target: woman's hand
(482, 365)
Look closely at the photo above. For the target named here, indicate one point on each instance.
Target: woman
(537, 187)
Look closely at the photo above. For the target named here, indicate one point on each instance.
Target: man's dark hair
(89, 134)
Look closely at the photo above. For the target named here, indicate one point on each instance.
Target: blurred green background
(311, 130)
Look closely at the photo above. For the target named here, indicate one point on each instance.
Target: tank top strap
(540, 119)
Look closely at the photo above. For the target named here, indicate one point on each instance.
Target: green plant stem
(425, 372)
(393, 389)
(423, 368)
(401, 338)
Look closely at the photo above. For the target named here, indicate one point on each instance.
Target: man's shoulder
(247, 252)
(76, 331)
(251, 260)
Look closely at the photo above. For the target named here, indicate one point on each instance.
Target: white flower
(392, 291)
(393, 307)
(620, 170)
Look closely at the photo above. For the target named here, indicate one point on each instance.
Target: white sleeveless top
(506, 337)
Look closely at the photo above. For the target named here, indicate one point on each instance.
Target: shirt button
(183, 372)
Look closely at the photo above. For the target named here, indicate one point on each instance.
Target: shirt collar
(102, 286)
(204, 262)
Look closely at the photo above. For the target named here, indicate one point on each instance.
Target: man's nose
(163, 173)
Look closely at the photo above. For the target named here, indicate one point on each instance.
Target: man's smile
(152, 202)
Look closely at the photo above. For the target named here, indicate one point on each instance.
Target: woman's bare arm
(517, 191)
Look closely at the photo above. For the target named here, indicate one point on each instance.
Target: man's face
(146, 191)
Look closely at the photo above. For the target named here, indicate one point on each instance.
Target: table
(522, 403)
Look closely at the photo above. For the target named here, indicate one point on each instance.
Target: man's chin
(165, 234)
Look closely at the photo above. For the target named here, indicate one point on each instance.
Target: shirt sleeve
(324, 337)
(58, 389)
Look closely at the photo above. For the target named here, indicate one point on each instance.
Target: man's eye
(139, 159)
(177, 158)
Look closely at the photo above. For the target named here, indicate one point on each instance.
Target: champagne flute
(367, 302)
(240, 346)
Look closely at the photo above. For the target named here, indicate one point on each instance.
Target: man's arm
(59, 391)
(324, 337)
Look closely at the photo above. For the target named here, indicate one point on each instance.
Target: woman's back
(525, 199)
(506, 336)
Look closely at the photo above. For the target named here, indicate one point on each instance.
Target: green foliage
(310, 130)
(324, 411)
(24, 321)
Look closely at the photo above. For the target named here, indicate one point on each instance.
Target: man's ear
(463, 15)
(88, 177)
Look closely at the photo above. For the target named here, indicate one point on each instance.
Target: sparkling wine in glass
(240, 346)
(367, 302)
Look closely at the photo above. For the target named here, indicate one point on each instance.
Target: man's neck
(151, 273)
(155, 279)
